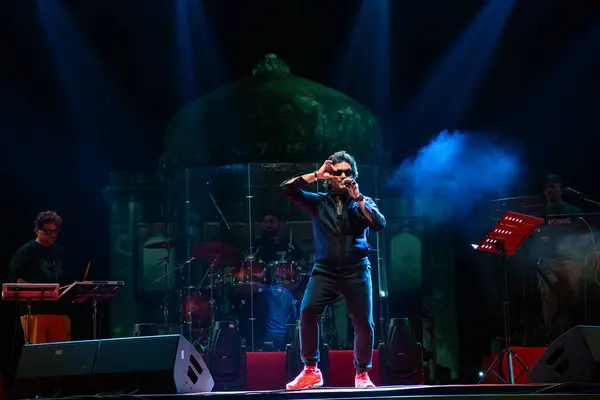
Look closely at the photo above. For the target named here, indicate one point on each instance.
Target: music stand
(94, 290)
(505, 238)
(30, 292)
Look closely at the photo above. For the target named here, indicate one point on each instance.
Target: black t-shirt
(36, 263)
(273, 249)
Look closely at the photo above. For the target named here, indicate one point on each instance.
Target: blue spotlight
(364, 69)
(199, 67)
(87, 94)
(448, 94)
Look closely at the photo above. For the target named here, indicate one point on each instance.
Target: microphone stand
(223, 224)
(590, 201)
(583, 196)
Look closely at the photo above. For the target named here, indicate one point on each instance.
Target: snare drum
(287, 273)
(224, 277)
(249, 276)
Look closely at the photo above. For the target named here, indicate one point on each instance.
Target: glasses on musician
(347, 172)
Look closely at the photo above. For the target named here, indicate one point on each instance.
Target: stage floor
(582, 391)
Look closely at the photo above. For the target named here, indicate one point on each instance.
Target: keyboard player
(42, 260)
(561, 246)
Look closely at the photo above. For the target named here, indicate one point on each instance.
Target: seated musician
(274, 307)
(554, 190)
(270, 246)
(562, 244)
(43, 261)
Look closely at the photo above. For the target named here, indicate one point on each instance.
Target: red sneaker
(310, 377)
(362, 381)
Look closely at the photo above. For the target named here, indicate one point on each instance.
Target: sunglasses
(50, 231)
(339, 172)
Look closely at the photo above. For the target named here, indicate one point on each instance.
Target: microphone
(349, 184)
(570, 189)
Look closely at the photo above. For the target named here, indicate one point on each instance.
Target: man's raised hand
(326, 171)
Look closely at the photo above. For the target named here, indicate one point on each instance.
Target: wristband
(359, 198)
(316, 176)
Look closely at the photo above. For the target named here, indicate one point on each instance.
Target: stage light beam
(199, 67)
(448, 94)
(87, 94)
(364, 69)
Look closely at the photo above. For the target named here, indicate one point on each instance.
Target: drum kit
(228, 283)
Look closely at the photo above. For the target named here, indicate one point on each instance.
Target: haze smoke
(458, 169)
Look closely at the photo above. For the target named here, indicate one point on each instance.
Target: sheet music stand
(505, 238)
(94, 290)
(30, 292)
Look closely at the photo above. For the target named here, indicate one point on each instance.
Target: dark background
(67, 118)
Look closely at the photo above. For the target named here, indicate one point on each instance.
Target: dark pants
(323, 288)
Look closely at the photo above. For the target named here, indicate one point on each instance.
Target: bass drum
(198, 304)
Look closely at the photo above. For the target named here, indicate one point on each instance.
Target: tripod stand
(330, 334)
(505, 239)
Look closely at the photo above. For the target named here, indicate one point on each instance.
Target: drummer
(270, 246)
(275, 309)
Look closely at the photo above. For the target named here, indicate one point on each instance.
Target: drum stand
(328, 330)
(330, 333)
(28, 321)
(211, 288)
(223, 227)
(165, 307)
(217, 263)
(166, 300)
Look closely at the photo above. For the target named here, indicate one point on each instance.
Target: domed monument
(224, 156)
(271, 116)
(231, 148)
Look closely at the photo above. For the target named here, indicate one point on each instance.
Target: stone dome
(271, 116)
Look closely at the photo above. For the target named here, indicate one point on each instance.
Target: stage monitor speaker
(572, 358)
(293, 360)
(227, 356)
(151, 364)
(56, 369)
(144, 329)
(401, 356)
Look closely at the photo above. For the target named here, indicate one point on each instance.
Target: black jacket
(340, 241)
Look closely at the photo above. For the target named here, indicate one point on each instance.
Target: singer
(341, 219)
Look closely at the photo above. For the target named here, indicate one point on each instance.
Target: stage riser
(433, 393)
(341, 367)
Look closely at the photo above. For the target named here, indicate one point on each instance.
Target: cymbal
(209, 251)
(161, 245)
